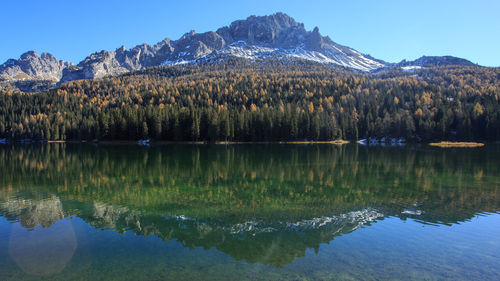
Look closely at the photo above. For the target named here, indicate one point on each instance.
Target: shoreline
(441, 144)
(147, 142)
(142, 143)
(451, 144)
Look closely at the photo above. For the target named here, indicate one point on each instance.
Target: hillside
(272, 101)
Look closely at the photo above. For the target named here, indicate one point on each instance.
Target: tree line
(261, 102)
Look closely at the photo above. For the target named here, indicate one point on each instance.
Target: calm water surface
(249, 212)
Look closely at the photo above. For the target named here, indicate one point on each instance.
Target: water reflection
(45, 251)
(255, 241)
(260, 204)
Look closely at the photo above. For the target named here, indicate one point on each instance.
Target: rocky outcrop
(278, 30)
(31, 66)
(109, 63)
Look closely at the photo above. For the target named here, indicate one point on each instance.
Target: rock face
(281, 36)
(106, 63)
(31, 66)
(275, 36)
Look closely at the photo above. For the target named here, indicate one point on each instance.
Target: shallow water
(249, 212)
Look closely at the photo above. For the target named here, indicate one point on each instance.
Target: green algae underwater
(249, 212)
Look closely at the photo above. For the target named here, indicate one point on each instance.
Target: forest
(261, 101)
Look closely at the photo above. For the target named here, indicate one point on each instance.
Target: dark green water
(249, 212)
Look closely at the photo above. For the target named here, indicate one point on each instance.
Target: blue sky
(391, 30)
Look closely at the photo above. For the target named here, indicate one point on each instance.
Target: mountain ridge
(32, 66)
(257, 37)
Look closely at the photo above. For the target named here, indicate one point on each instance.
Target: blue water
(66, 215)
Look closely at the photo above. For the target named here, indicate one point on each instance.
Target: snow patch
(176, 62)
(183, 54)
(333, 55)
(411, 68)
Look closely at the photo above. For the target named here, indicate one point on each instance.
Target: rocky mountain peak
(188, 34)
(47, 56)
(32, 66)
(122, 49)
(28, 55)
(274, 30)
(315, 40)
(276, 21)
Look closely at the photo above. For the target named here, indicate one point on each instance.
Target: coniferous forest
(262, 101)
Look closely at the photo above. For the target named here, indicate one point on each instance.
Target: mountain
(277, 36)
(31, 66)
(430, 61)
(120, 61)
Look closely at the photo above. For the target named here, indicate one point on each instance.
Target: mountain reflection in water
(264, 204)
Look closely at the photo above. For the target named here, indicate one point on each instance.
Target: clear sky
(391, 30)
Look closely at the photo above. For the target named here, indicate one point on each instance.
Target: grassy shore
(456, 144)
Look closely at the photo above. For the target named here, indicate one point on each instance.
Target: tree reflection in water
(262, 204)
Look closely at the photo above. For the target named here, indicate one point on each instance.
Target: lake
(249, 212)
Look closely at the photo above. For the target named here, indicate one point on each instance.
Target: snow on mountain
(275, 36)
(411, 68)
